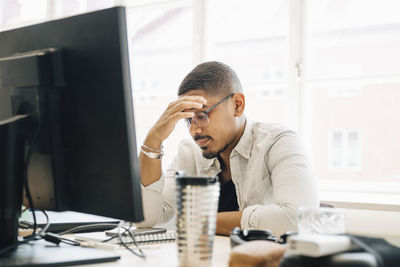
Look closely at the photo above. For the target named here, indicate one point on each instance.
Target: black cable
(57, 238)
(141, 255)
(28, 193)
(54, 238)
(26, 184)
(116, 235)
(93, 226)
(29, 238)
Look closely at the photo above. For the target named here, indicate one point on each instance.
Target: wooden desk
(166, 254)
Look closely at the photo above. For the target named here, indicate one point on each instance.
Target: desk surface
(165, 254)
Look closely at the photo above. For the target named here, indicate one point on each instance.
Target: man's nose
(195, 129)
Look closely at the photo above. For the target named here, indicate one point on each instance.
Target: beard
(214, 154)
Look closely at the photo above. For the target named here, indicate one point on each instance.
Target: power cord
(87, 227)
(119, 235)
(32, 237)
(57, 238)
(26, 184)
(141, 254)
(28, 156)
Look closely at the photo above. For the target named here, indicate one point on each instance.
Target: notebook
(168, 236)
(142, 236)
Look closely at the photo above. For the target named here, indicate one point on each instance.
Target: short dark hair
(215, 78)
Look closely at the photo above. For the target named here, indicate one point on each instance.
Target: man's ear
(239, 102)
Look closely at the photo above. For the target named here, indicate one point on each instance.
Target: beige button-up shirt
(269, 168)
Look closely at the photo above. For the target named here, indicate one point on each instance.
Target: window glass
(70, 7)
(160, 47)
(252, 39)
(353, 150)
(337, 150)
(353, 37)
(22, 11)
(345, 150)
(353, 82)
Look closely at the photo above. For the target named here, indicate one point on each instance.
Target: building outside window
(345, 151)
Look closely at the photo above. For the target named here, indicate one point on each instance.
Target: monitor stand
(42, 253)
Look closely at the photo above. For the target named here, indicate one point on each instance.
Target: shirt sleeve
(159, 199)
(293, 183)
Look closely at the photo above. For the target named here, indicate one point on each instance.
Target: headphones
(239, 236)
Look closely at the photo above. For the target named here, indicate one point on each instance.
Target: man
(263, 171)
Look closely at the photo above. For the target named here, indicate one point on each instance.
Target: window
(253, 40)
(345, 151)
(331, 68)
(352, 80)
(17, 12)
(348, 89)
(160, 47)
(71, 7)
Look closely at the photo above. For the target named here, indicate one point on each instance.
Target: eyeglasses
(201, 118)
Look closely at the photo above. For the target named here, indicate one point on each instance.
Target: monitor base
(41, 253)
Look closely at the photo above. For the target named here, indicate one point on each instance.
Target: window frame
(297, 93)
(345, 148)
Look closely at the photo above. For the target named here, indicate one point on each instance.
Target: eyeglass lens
(200, 119)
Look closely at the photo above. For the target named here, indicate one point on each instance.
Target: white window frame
(297, 94)
(345, 142)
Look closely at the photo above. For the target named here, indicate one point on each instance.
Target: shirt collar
(245, 143)
(211, 163)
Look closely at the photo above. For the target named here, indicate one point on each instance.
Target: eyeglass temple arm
(225, 98)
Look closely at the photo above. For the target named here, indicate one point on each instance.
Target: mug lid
(192, 180)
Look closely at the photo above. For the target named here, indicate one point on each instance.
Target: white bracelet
(152, 155)
(152, 149)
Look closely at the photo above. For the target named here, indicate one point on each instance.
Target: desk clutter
(142, 236)
(76, 238)
(257, 253)
(42, 253)
(318, 250)
(156, 238)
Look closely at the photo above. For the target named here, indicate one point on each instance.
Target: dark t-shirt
(227, 197)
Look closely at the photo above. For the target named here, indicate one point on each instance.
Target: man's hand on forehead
(196, 98)
(192, 102)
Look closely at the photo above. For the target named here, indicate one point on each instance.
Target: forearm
(228, 220)
(150, 169)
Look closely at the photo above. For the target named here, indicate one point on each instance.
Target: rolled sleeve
(159, 200)
(159, 197)
(275, 218)
(293, 184)
(248, 221)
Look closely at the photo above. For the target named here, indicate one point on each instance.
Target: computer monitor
(72, 75)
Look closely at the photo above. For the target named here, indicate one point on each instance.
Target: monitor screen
(72, 75)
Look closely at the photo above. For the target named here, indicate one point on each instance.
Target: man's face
(219, 134)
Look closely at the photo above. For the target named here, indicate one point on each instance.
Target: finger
(185, 105)
(192, 98)
(196, 98)
(182, 115)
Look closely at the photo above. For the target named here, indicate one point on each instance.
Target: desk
(166, 254)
